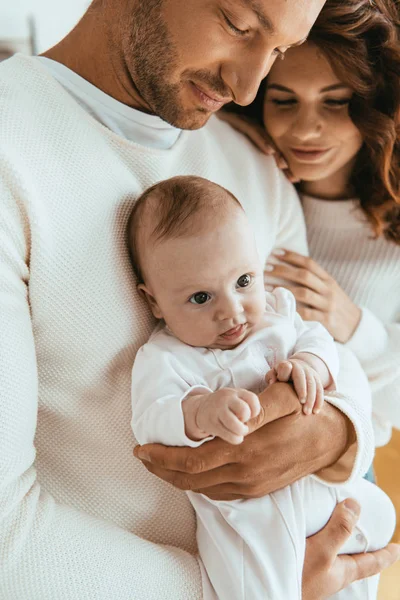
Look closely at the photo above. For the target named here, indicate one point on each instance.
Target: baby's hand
(226, 412)
(306, 382)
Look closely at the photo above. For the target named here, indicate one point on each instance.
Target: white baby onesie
(252, 549)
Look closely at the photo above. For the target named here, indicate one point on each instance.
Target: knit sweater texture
(368, 269)
(80, 518)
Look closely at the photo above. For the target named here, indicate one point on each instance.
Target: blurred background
(33, 26)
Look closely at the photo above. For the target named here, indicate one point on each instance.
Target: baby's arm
(310, 376)
(314, 364)
(173, 406)
(223, 413)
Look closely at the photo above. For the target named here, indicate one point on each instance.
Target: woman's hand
(319, 296)
(260, 138)
(325, 572)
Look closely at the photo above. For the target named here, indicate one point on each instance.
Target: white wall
(52, 19)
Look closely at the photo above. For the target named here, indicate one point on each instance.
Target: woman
(332, 110)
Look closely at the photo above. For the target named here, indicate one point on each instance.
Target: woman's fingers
(298, 275)
(305, 262)
(309, 297)
(255, 132)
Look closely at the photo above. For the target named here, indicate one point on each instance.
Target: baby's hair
(171, 206)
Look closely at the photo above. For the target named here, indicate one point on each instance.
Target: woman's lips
(306, 155)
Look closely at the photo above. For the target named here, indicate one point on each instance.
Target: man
(80, 140)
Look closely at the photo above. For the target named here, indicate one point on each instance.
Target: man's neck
(89, 51)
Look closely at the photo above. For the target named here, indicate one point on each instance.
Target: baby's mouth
(235, 332)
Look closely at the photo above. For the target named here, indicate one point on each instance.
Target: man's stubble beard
(151, 59)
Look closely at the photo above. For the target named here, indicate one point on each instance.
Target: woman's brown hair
(361, 39)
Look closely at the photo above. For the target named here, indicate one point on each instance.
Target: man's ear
(152, 302)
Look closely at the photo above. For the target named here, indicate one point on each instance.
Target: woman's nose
(307, 126)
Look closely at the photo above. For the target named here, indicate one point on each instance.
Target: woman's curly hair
(361, 40)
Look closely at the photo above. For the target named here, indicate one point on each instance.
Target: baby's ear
(152, 302)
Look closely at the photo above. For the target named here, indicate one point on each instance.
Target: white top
(368, 270)
(123, 120)
(79, 516)
(157, 415)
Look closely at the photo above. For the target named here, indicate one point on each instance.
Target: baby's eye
(200, 298)
(244, 280)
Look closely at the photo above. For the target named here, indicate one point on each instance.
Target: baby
(221, 339)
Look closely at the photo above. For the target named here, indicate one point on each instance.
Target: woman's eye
(289, 102)
(199, 298)
(337, 103)
(244, 280)
(236, 30)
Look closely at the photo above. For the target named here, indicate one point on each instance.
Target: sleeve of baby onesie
(50, 550)
(160, 383)
(312, 337)
(377, 347)
(352, 397)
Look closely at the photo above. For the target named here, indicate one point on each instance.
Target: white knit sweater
(368, 270)
(80, 518)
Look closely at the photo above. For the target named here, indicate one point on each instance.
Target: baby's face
(209, 287)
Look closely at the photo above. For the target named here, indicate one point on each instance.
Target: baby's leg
(374, 529)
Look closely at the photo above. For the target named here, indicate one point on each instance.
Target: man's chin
(189, 121)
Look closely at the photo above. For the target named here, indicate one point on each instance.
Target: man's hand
(283, 446)
(325, 572)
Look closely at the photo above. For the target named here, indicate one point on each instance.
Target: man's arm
(50, 551)
(283, 446)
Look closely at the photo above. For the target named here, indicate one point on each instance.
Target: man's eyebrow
(256, 7)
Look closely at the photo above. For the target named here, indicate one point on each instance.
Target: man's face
(189, 57)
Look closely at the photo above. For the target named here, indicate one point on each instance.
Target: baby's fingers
(299, 382)
(252, 402)
(270, 377)
(230, 428)
(319, 400)
(311, 393)
(284, 371)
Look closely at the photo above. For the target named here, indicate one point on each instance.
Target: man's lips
(208, 99)
(309, 154)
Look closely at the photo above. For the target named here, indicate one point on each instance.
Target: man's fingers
(277, 401)
(187, 460)
(338, 529)
(218, 481)
(361, 566)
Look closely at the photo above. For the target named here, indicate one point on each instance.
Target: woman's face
(306, 114)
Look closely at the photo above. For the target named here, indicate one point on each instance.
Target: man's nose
(244, 72)
(307, 125)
